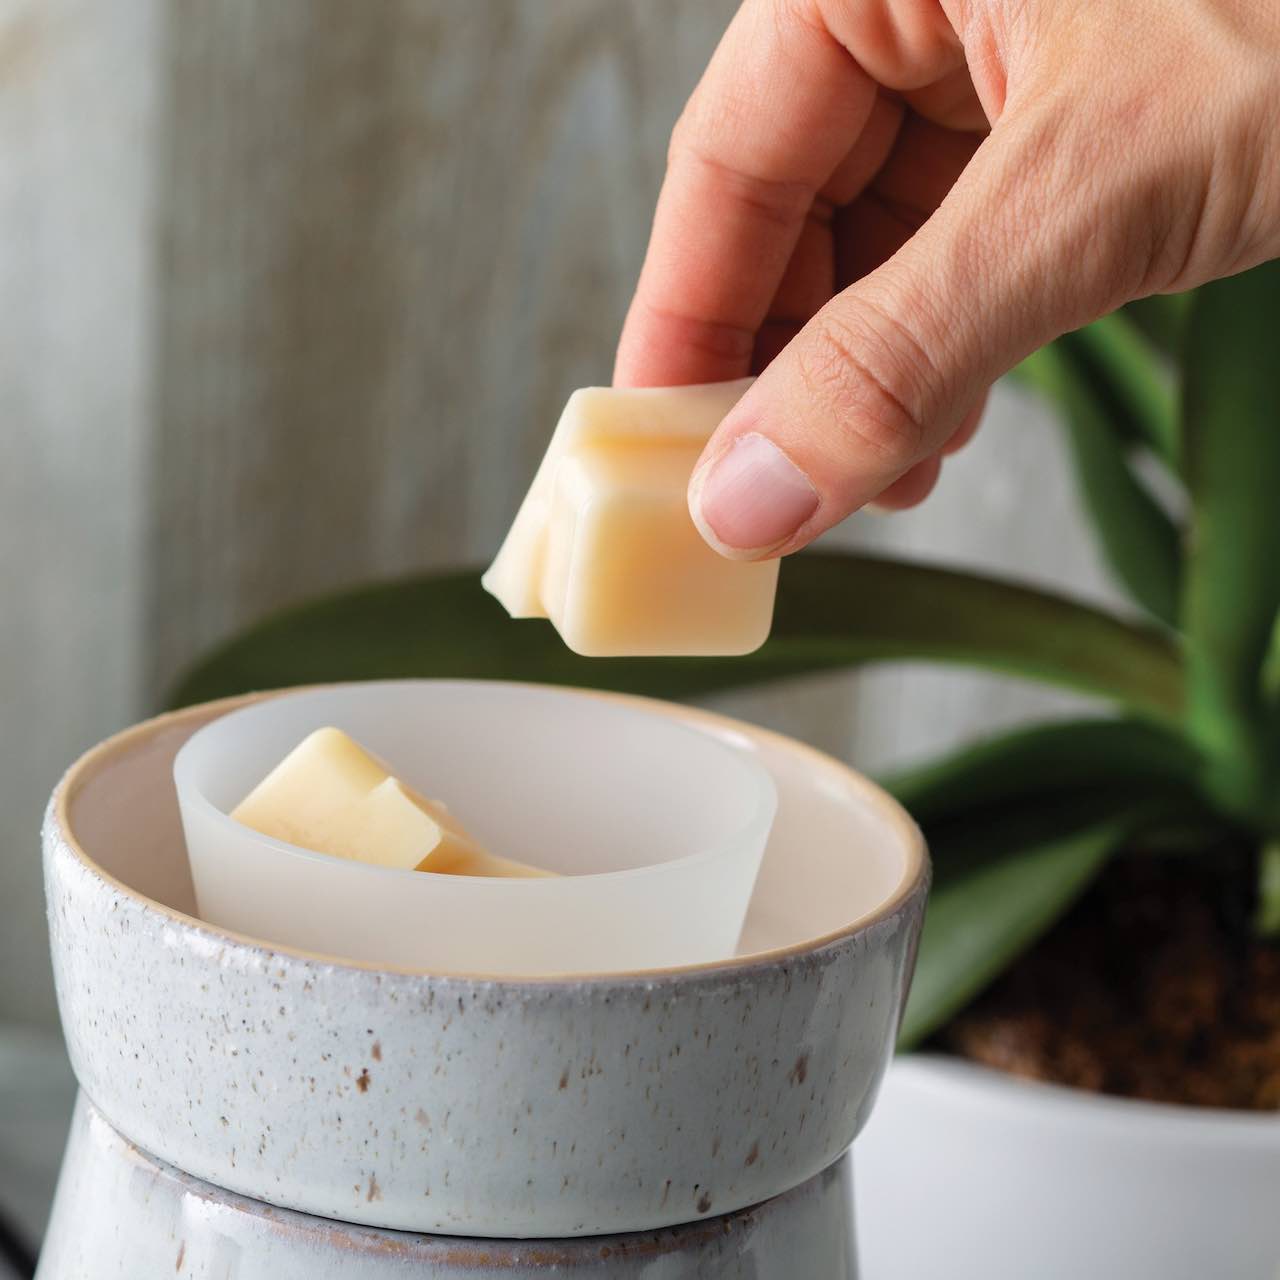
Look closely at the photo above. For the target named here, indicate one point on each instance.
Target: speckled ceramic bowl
(120, 1214)
(474, 1105)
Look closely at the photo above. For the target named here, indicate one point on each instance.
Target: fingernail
(752, 498)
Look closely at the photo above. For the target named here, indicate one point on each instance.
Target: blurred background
(293, 294)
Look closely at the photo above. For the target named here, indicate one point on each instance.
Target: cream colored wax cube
(332, 796)
(604, 544)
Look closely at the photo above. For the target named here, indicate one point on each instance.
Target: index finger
(779, 106)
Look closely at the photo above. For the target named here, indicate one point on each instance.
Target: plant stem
(1232, 571)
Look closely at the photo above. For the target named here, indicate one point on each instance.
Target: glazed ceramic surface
(471, 1105)
(968, 1173)
(122, 1215)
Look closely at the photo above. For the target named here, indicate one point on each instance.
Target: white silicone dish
(657, 829)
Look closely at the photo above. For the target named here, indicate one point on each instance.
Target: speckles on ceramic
(452, 1104)
(122, 1215)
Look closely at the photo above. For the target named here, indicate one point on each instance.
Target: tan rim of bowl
(914, 879)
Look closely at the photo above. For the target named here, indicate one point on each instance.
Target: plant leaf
(1163, 318)
(1136, 389)
(1140, 541)
(1231, 431)
(997, 887)
(1017, 828)
(1267, 915)
(1044, 761)
(833, 611)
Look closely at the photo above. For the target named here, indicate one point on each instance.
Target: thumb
(883, 375)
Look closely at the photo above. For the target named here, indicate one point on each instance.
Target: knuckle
(874, 392)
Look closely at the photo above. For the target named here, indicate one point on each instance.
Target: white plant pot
(971, 1174)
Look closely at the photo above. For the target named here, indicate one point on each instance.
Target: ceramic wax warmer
(265, 1113)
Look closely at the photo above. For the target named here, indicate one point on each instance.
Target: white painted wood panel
(77, 117)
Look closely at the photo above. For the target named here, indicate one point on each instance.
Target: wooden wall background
(293, 292)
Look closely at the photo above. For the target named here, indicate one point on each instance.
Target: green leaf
(1267, 915)
(1123, 372)
(1017, 828)
(833, 611)
(997, 888)
(1140, 541)
(1163, 319)
(1044, 761)
(1270, 673)
(1135, 388)
(1231, 429)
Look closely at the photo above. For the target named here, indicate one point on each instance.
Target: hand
(889, 203)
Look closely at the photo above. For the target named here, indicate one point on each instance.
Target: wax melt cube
(604, 544)
(332, 796)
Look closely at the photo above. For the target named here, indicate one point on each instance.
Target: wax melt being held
(332, 796)
(604, 544)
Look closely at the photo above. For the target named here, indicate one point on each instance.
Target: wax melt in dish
(332, 796)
